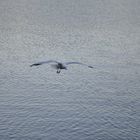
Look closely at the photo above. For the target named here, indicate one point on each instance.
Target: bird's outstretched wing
(43, 62)
(69, 63)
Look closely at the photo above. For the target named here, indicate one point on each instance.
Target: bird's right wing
(68, 63)
(43, 62)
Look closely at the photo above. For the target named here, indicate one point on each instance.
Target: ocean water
(102, 103)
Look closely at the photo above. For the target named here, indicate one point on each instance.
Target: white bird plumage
(59, 65)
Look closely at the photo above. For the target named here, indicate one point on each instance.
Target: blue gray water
(78, 104)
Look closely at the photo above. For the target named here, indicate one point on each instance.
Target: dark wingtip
(34, 64)
(90, 66)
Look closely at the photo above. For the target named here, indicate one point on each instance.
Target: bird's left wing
(69, 63)
(43, 62)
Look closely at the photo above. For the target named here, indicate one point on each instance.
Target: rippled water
(78, 104)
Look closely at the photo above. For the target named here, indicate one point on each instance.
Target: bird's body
(61, 66)
(58, 65)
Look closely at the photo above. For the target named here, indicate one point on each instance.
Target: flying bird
(59, 65)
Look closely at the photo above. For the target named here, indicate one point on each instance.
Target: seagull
(59, 65)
